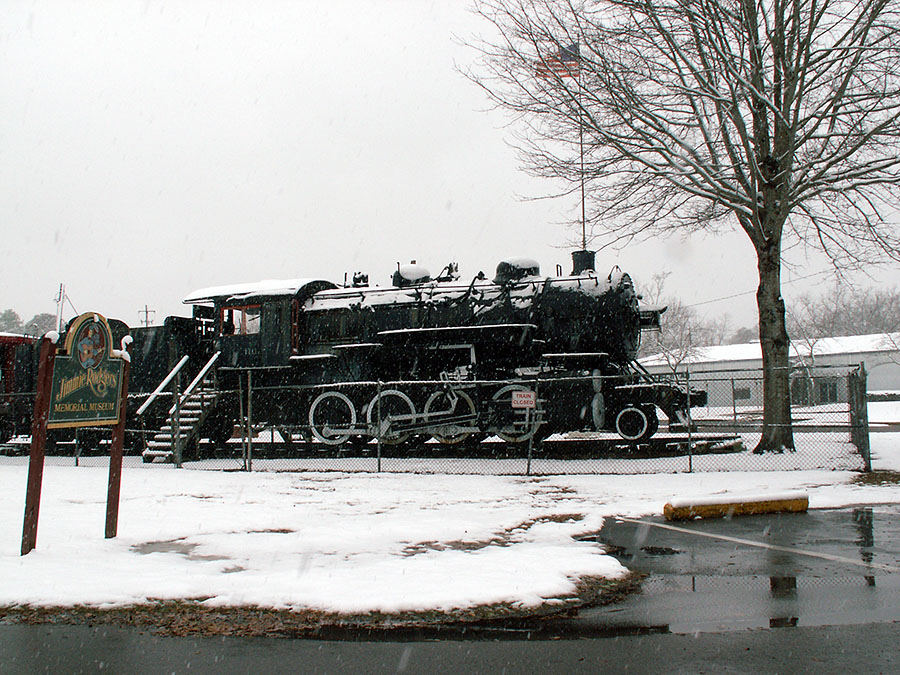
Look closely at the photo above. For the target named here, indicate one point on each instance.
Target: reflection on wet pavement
(826, 567)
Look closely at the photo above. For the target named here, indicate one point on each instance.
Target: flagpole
(581, 149)
(557, 68)
(581, 154)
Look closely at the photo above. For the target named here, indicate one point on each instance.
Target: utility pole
(146, 312)
(60, 299)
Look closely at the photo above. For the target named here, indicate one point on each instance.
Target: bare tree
(679, 336)
(682, 330)
(845, 311)
(778, 117)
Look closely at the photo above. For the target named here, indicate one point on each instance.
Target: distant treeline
(11, 322)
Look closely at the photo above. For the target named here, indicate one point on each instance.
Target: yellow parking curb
(725, 507)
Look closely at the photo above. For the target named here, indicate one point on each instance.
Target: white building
(732, 374)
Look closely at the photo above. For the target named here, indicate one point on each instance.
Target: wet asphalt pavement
(787, 593)
(826, 567)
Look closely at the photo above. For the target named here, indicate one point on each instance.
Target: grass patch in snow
(505, 538)
(878, 478)
(191, 617)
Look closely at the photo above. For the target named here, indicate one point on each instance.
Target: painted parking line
(761, 544)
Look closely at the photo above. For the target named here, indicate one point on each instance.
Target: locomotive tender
(425, 357)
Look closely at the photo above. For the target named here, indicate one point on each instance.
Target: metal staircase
(185, 417)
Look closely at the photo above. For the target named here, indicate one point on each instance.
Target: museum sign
(87, 382)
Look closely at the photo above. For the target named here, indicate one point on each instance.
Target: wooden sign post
(38, 441)
(115, 453)
(86, 385)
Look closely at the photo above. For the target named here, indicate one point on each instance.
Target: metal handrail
(193, 385)
(162, 385)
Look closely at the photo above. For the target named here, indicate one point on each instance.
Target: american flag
(565, 64)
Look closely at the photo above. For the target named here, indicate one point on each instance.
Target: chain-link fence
(829, 423)
(536, 425)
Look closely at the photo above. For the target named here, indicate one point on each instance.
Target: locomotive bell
(582, 261)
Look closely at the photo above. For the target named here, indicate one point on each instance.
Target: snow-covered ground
(355, 542)
(343, 542)
(884, 445)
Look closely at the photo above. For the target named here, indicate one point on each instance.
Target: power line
(738, 295)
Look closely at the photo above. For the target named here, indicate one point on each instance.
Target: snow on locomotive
(438, 357)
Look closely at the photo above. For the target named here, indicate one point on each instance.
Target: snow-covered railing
(195, 382)
(162, 386)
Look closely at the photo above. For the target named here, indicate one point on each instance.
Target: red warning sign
(524, 399)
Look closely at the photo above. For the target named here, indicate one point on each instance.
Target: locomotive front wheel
(332, 418)
(440, 406)
(519, 424)
(396, 409)
(634, 423)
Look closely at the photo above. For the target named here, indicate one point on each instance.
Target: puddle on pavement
(699, 583)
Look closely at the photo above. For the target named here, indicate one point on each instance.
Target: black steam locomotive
(519, 356)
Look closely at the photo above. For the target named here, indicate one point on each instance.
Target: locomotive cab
(255, 325)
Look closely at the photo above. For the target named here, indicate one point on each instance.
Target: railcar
(155, 350)
(16, 376)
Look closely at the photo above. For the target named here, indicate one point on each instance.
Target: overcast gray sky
(150, 148)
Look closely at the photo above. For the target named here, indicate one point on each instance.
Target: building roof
(751, 351)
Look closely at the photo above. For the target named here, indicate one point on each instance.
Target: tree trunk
(777, 433)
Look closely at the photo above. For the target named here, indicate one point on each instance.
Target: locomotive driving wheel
(332, 418)
(517, 424)
(637, 423)
(395, 409)
(448, 412)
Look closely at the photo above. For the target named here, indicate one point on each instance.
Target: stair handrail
(197, 380)
(162, 385)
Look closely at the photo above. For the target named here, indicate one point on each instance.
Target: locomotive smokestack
(582, 261)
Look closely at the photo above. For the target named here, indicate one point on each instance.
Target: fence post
(240, 392)
(733, 402)
(687, 379)
(176, 422)
(378, 432)
(859, 414)
(531, 438)
(248, 464)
